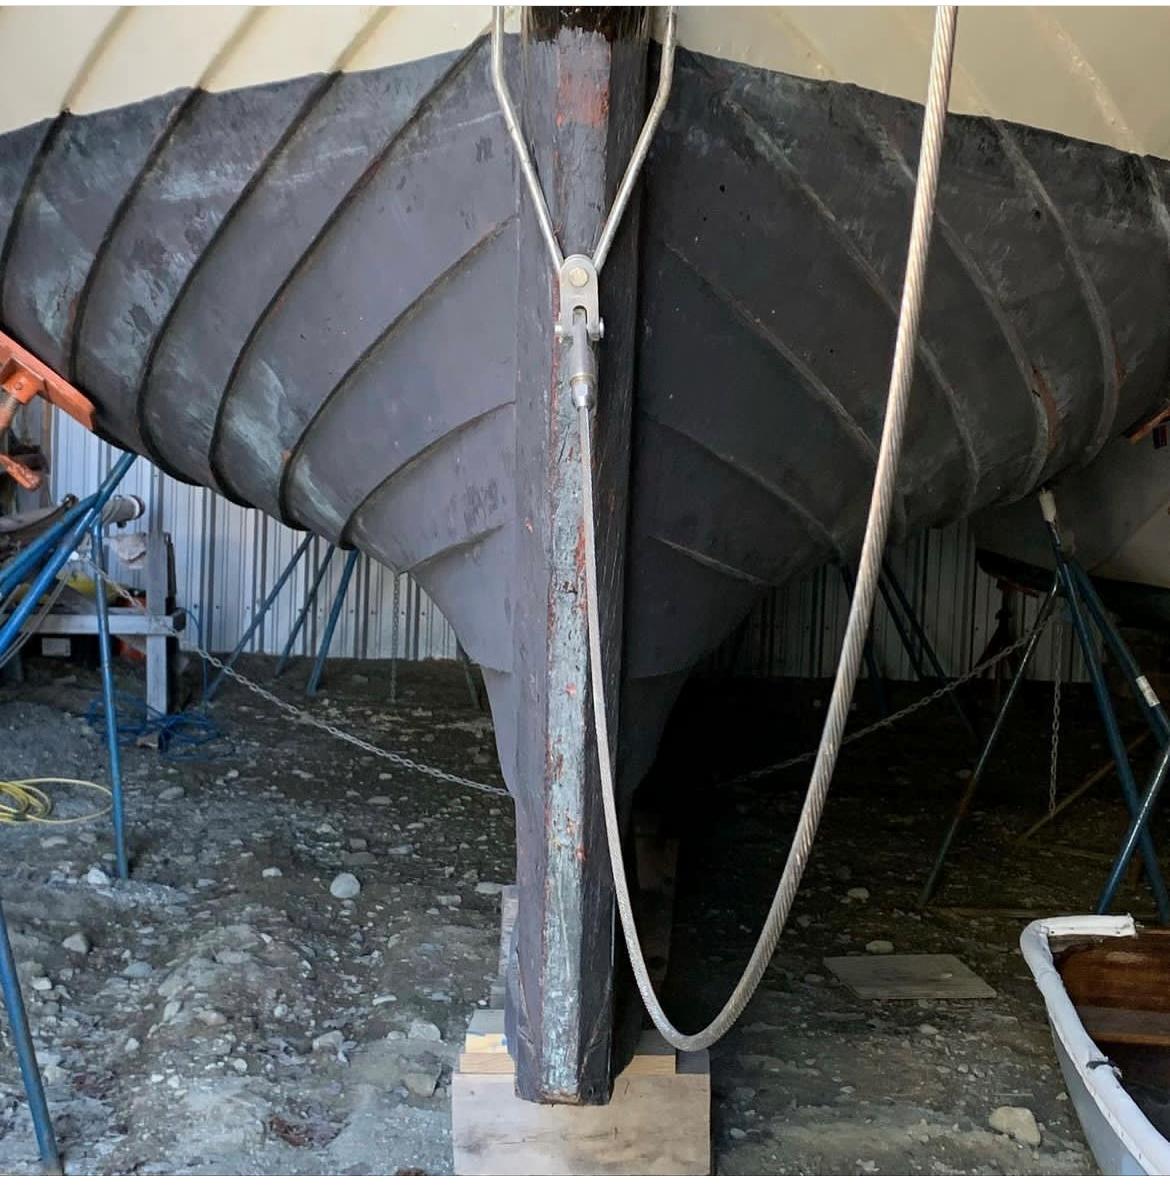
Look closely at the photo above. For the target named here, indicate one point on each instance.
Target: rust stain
(1043, 392)
(582, 99)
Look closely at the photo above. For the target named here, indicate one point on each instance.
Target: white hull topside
(1094, 73)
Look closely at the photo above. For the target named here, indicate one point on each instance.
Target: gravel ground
(231, 1015)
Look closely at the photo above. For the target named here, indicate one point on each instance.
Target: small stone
(271, 873)
(171, 793)
(449, 899)
(928, 1030)
(42, 984)
(97, 877)
(858, 894)
(239, 1065)
(172, 1010)
(421, 1082)
(358, 859)
(1017, 1122)
(378, 800)
(345, 885)
(332, 1040)
(737, 1133)
(211, 1017)
(402, 849)
(880, 946)
(489, 888)
(423, 1030)
(139, 969)
(357, 844)
(54, 841)
(133, 1045)
(78, 943)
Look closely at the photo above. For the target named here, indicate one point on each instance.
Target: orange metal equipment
(23, 377)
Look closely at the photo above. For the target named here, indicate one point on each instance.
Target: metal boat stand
(915, 642)
(41, 563)
(30, 1072)
(1074, 591)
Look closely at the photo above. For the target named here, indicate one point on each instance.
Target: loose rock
(1017, 1122)
(345, 886)
(78, 943)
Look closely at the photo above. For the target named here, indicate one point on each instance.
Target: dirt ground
(232, 1016)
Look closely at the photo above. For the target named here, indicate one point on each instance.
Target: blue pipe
(68, 545)
(1137, 828)
(103, 616)
(34, 1088)
(30, 557)
(303, 615)
(331, 624)
(1154, 712)
(1109, 720)
(968, 795)
(257, 618)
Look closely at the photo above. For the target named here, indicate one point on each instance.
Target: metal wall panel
(228, 558)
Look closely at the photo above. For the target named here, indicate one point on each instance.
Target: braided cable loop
(860, 611)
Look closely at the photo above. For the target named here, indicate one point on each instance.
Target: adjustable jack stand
(1073, 586)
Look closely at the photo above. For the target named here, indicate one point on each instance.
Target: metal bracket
(579, 291)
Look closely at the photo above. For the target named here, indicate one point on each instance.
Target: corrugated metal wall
(228, 558)
(798, 630)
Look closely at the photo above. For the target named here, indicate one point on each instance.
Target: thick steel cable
(869, 569)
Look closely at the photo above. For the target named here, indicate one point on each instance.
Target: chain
(299, 714)
(895, 717)
(1054, 754)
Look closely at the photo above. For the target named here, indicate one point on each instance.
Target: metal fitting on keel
(582, 368)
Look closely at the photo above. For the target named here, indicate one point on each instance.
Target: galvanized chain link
(299, 714)
(1054, 749)
(894, 717)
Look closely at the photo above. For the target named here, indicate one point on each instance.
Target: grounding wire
(860, 611)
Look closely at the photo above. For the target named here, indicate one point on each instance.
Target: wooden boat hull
(1122, 1138)
(324, 295)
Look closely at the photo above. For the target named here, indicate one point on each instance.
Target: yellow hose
(26, 802)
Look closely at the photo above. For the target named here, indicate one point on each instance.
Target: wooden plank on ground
(653, 1124)
(909, 977)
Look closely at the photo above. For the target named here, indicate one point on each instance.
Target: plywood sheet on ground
(909, 977)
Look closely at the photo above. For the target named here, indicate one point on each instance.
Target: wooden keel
(584, 91)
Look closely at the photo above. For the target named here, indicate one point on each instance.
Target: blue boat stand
(1079, 597)
(46, 557)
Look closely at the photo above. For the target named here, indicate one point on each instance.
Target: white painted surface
(1094, 72)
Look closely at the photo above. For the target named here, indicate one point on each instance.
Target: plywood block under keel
(658, 1120)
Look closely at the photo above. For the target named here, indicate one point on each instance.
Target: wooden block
(909, 977)
(486, 1052)
(654, 1124)
(485, 1033)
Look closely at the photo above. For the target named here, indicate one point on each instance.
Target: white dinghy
(1106, 986)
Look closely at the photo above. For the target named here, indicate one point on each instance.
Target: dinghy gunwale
(1082, 1061)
